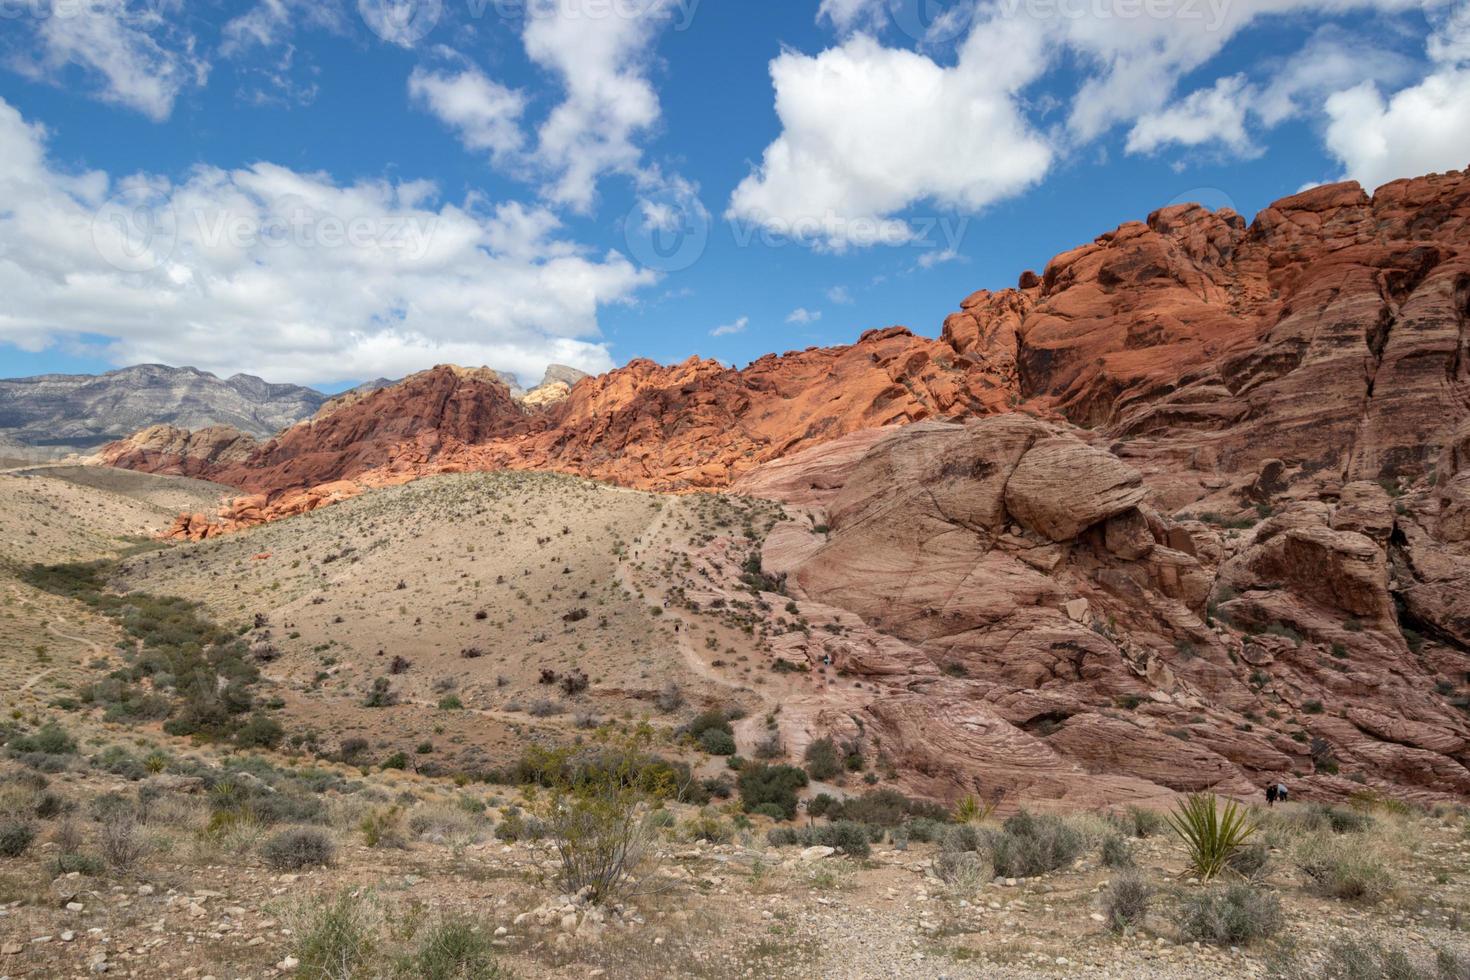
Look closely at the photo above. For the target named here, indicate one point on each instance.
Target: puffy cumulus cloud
(602, 64)
(129, 53)
(869, 131)
(1421, 128)
(1212, 115)
(486, 114)
(803, 315)
(600, 56)
(1134, 54)
(290, 275)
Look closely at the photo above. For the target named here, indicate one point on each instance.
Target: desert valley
(967, 656)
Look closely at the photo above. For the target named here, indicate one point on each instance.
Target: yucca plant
(1211, 833)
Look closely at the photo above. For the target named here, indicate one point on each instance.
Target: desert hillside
(357, 785)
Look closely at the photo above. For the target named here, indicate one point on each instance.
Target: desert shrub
(970, 809)
(761, 784)
(717, 742)
(850, 838)
(15, 837)
(297, 848)
(381, 694)
(707, 826)
(820, 804)
(1138, 822)
(1341, 819)
(1116, 852)
(1353, 959)
(1126, 901)
(821, 759)
(260, 732)
(923, 830)
(335, 938)
(516, 826)
(963, 872)
(121, 844)
(1345, 870)
(963, 837)
(446, 824)
(1033, 844)
(1250, 861)
(773, 810)
(453, 949)
(382, 827)
(1210, 834)
(596, 812)
(886, 808)
(770, 747)
(544, 708)
(49, 739)
(1234, 916)
(716, 719)
(670, 699)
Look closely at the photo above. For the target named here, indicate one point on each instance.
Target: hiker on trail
(1281, 793)
(1271, 795)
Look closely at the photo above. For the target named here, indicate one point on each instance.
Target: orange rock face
(1188, 509)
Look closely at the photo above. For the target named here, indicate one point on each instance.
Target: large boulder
(1062, 487)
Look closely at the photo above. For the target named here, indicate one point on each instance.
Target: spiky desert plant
(1211, 833)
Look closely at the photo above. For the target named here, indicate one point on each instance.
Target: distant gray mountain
(60, 412)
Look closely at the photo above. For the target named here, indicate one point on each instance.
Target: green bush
(454, 949)
(1116, 852)
(1344, 870)
(1233, 916)
(335, 938)
(15, 837)
(850, 838)
(761, 784)
(1126, 902)
(1251, 861)
(717, 742)
(49, 739)
(260, 732)
(821, 758)
(297, 848)
(1033, 844)
(886, 808)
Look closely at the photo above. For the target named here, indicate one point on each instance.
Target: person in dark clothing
(1271, 795)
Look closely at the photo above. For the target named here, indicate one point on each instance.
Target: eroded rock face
(1088, 668)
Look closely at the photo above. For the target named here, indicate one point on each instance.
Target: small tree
(596, 810)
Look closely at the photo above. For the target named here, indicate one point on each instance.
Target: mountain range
(1187, 508)
(55, 414)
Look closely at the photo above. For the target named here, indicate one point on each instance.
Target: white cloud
(726, 330)
(602, 64)
(803, 315)
(1211, 115)
(131, 54)
(1423, 128)
(272, 22)
(290, 275)
(485, 113)
(840, 296)
(869, 131)
(931, 259)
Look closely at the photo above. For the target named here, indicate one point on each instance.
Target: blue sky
(328, 191)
